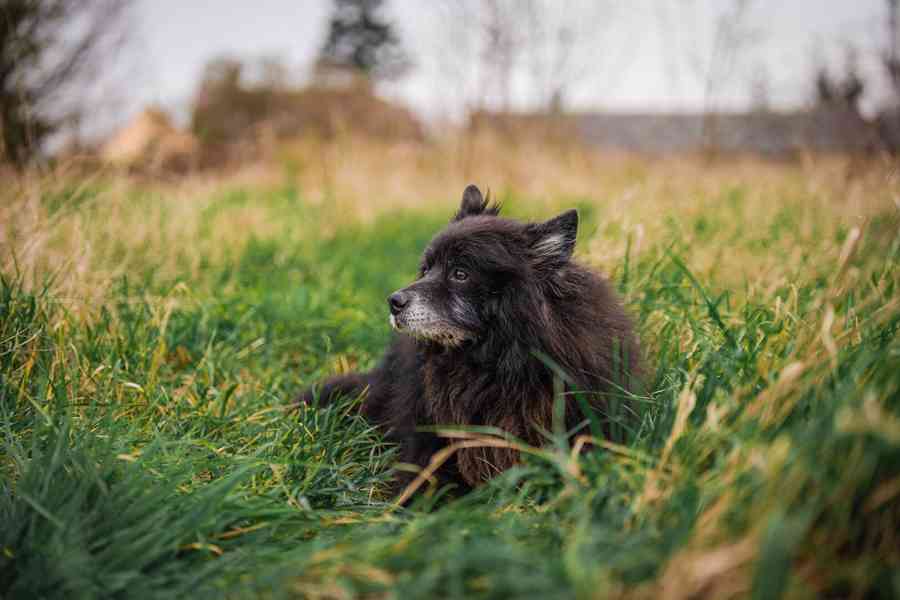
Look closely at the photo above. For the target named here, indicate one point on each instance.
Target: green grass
(147, 447)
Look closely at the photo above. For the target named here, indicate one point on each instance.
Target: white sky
(642, 55)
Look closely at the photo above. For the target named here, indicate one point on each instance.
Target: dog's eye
(460, 275)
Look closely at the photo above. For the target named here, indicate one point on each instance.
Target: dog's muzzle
(412, 316)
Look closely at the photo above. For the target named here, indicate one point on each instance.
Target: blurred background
(165, 87)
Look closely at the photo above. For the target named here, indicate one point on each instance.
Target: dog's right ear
(473, 203)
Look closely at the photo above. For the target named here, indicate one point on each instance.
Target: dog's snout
(398, 301)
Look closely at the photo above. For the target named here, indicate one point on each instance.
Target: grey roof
(762, 132)
(768, 133)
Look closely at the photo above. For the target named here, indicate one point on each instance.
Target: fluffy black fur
(494, 298)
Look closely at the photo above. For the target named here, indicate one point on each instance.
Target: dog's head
(479, 263)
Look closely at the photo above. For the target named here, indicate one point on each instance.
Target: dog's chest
(454, 393)
(461, 394)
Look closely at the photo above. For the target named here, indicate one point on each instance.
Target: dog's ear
(473, 203)
(553, 241)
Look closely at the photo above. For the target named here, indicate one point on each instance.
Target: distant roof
(769, 133)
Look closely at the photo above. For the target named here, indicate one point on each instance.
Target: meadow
(154, 334)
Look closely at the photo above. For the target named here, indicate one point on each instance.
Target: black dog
(494, 300)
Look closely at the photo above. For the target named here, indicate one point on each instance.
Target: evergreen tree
(359, 38)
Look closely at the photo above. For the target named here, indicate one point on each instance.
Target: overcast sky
(632, 56)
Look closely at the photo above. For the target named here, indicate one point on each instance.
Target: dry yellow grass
(637, 199)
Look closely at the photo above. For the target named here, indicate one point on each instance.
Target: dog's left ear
(473, 203)
(553, 241)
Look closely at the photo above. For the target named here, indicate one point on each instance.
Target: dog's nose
(397, 302)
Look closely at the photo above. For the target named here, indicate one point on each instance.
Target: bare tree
(503, 38)
(888, 120)
(891, 55)
(760, 90)
(844, 91)
(48, 50)
(507, 54)
(733, 37)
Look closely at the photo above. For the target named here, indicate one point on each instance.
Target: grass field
(152, 337)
